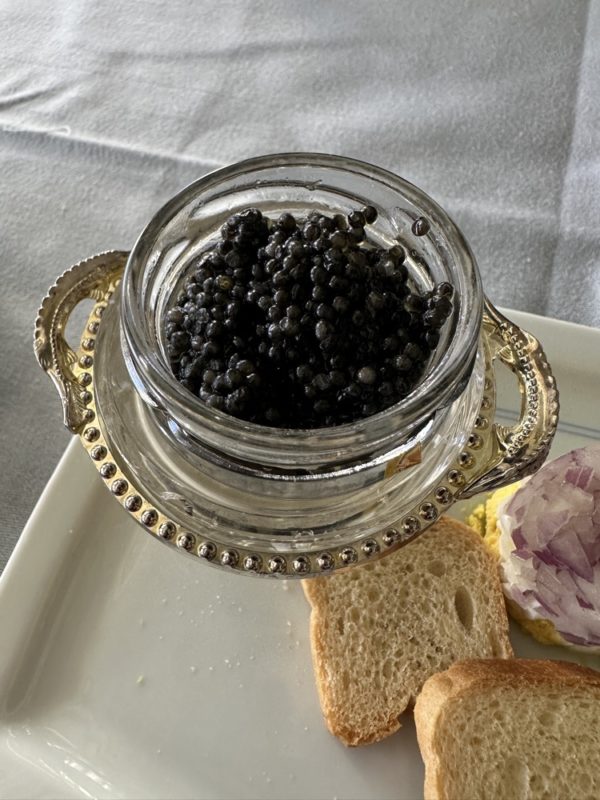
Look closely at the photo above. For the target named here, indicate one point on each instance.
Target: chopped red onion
(518, 538)
(584, 603)
(550, 545)
(524, 554)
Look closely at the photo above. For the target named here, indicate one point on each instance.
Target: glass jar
(290, 502)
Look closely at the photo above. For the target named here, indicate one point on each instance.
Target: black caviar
(302, 323)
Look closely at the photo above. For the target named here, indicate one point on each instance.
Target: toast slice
(378, 631)
(516, 730)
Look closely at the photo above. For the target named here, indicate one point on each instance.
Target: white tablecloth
(108, 108)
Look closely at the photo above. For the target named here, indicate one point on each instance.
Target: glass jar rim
(155, 381)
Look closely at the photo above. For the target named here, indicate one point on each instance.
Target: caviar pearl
(367, 375)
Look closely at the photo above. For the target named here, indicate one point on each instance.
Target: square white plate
(127, 671)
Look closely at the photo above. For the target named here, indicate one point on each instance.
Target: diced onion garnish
(550, 546)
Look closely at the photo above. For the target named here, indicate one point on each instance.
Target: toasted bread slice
(516, 730)
(378, 631)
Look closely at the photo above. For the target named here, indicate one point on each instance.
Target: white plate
(127, 671)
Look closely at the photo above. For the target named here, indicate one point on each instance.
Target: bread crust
(474, 676)
(317, 590)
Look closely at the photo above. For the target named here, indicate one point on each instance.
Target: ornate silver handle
(94, 278)
(519, 450)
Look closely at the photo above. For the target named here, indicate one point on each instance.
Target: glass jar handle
(520, 449)
(95, 279)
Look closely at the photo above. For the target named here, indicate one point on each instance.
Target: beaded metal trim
(494, 454)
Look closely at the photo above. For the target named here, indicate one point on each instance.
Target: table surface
(108, 109)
